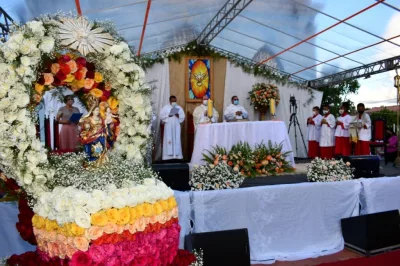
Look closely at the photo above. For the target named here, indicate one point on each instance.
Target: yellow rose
(76, 230)
(124, 216)
(96, 93)
(113, 103)
(39, 88)
(164, 204)
(98, 77)
(147, 209)
(99, 219)
(139, 211)
(62, 231)
(48, 225)
(157, 208)
(37, 221)
(133, 215)
(70, 78)
(172, 202)
(112, 215)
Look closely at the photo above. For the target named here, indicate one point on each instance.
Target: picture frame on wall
(198, 78)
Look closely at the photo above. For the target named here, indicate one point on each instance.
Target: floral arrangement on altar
(329, 170)
(261, 95)
(114, 213)
(214, 177)
(260, 160)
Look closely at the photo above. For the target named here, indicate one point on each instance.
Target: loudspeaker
(365, 166)
(223, 248)
(174, 175)
(372, 233)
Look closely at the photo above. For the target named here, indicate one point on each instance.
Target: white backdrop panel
(285, 222)
(240, 83)
(158, 77)
(380, 194)
(183, 200)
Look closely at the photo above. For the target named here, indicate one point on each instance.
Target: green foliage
(214, 154)
(389, 115)
(335, 95)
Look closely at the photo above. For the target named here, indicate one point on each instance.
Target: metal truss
(6, 20)
(358, 72)
(225, 15)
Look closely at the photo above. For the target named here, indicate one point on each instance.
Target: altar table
(228, 134)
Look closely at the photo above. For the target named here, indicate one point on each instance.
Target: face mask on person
(315, 112)
(205, 102)
(341, 111)
(236, 102)
(173, 104)
(360, 112)
(325, 112)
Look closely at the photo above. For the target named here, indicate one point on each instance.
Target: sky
(174, 22)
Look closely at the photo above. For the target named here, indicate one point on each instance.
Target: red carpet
(387, 259)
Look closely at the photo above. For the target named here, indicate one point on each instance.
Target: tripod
(295, 122)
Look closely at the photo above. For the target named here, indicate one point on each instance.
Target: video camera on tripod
(295, 122)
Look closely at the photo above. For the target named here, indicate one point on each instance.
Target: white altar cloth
(228, 134)
(285, 222)
(380, 194)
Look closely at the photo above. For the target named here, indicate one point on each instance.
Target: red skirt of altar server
(327, 152)
(313, 149)
(342, 146)
(362, 148)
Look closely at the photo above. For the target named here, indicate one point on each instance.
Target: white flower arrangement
(214, 177)
(199, 257)
(329, 170)
(22, 157)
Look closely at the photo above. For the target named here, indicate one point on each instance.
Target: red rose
(41, 80)
(80, 258)
(64, 59)
(90, 67)
(60, 76)
(81, 61)
(64, 69)
(90, 74)
(13, 260)
(101, 86)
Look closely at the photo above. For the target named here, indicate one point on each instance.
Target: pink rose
(80, 258)
(141, 261)
(109, 249)
(48, 78)
(162, 234)
(73, 66)
(70, 250)
(88, 83)
(97, 253)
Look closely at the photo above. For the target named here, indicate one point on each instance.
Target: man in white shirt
(364, 132)
(234, 111)
(327, 139)
(314, 132)
(172, 116)
(342, 134)
(200, 114)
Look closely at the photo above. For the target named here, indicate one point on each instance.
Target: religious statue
(93, 136)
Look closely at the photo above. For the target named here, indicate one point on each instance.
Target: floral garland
(260, 160)
(329, 170)
(22, 63)
(262, 93)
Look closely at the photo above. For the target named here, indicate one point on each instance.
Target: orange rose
(61, 239)
(98, 77)
(81, 243)
(48, 78)
(72, 65)
(81, 73)
(55, 68)
(99, 219)
(140, 225)
(95, 232)
(70, 250)
(174, 212)
(110, 228)
(89, 83)
(96, 92)
(53, 249)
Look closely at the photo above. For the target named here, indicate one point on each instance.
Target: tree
(335, 95)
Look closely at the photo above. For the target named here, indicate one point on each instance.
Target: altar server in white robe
(342, 134)
(327, 139)
(234, 111)
(364, 133)
(172, 147)
(200, 114)
(314, 132)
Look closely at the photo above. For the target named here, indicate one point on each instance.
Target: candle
(272, 106)
(210, 108)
